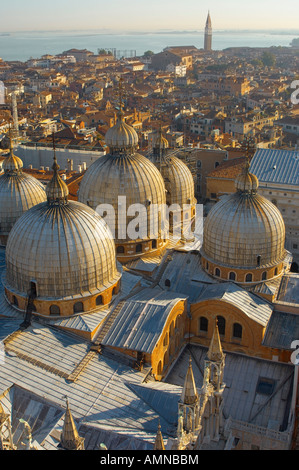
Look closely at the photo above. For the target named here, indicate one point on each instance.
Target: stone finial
(159, 443)
(189, 394)
(70, 438)
(215, 352)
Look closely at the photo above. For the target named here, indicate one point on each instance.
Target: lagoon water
(23, 45)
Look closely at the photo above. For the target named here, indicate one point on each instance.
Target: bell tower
(208, 34)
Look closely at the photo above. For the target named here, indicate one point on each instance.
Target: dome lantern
(160, 144)
(121, 139)
(12, 164)
(246, 182)
(56, 190)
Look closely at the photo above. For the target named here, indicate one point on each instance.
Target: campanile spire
(208, 34)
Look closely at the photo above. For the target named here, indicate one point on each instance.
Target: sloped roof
(253, 306)
(39, 361)
(242, 400)
(276, 166)
(282, 330)
(141, 320)
(229, 169)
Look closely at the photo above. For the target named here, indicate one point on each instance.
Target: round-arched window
(221, 325)
(78, 307)
(237, 330)
(54, 310)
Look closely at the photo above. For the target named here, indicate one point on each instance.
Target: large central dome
(65, 250)
(244, 235)
(124, 173)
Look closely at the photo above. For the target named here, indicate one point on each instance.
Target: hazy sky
(148, 15)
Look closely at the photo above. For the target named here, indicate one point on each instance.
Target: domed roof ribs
(56, 190)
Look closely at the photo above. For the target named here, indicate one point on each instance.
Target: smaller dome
(18, 193)
(121, 136)
(178, 181)
(56, 190)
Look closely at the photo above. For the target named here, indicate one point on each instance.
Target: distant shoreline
(156, 32)
(23, 45)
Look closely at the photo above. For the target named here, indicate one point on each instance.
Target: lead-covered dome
(246, 232)
(18, 193)
(66, 250)
(123, 180)
(178, 182)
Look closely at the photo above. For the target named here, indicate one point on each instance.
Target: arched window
(203, 324)
(78, 307)
(33, 288)
(294, 267)
(248, 277)
(54, 310)
(221, 325)
(167, 283)
(232, 276)
(166, 358)
(120, 249)
(99, 300)
(154, 244)
(237, 330)
(264, 275)
(258, 260)
(115, 290)
(217, 272)
(139, 248)
(275, 272)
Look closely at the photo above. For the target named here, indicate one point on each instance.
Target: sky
(147, 15)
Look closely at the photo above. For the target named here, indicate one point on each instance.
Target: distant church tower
(208, 34)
